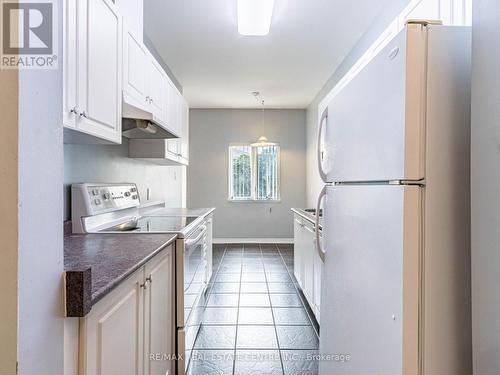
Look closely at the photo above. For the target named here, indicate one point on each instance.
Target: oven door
(191, 287)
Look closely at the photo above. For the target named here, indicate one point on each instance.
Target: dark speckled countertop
(111, 258)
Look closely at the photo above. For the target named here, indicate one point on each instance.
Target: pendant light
(263, 141)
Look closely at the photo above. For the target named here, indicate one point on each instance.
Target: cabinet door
(69, 65)
(184, 142)
(318, 267)
(135, 69)
(210, 222)
(133, 15)
(173, 109)
(100, 69)
(173, 148)
(308, 263)
(297, 251)
(159, 330)
(156, 89)
(111, 335)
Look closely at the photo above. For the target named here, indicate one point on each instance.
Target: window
(254, 173)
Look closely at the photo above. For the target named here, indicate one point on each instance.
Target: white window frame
(253, 173)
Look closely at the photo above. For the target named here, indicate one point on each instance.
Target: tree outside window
(254, 173)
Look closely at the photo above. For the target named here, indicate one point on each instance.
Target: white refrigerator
(396, 235)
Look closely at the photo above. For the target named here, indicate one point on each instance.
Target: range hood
(138, 122)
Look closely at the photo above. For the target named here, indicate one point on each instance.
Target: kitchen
(215, 200)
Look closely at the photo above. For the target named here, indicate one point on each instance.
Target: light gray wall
(211, 131)
(149, 44)
(485, 178)
(40, 305)
(383, 20)
(98, 163)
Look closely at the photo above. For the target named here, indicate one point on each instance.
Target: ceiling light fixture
(254, 17)
(263, 141)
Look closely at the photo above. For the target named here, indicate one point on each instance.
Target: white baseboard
(253, 240)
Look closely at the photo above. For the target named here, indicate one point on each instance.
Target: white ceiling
(218, 68)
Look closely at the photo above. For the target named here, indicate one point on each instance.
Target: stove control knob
(97, 201)
(127, 193)
(135, 197)
(95, 191)
(106, 196)
(133, 190)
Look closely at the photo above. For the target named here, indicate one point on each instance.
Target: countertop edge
(105, 290)
(78, 296)
(304, 215)
(310, 218)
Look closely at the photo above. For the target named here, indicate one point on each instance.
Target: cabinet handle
(144, 286)
(321, 251)
(149, 279)
(83, 114)
(73, 110)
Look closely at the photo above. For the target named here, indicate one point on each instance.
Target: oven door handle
(190, 241)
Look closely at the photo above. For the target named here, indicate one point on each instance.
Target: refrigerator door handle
(321, 251)
(322, 123)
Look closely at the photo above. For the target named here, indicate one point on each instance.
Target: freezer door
(370, 286)
(375, 124)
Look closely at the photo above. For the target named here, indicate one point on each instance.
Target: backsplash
(98, 163)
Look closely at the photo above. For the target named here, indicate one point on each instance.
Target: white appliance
(396, 249)
(114, 208)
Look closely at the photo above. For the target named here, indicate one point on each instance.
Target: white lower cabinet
(130, 331)
(298, 234)
(159, 335)
(210, 223)
(307, 263)
(318, 270)
(135, 73)
(111, 335)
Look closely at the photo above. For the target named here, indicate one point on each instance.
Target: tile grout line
(238, 309)
(298, 292)
(214, 277)
(272, 312)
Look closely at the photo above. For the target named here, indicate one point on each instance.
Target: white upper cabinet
(147, 90)
(99, 69)
(158, 95)
(109, 74)
(184, 140)
(133, 15)
(173, 108)
(93, 69)
(135, 71)
(69, 64)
